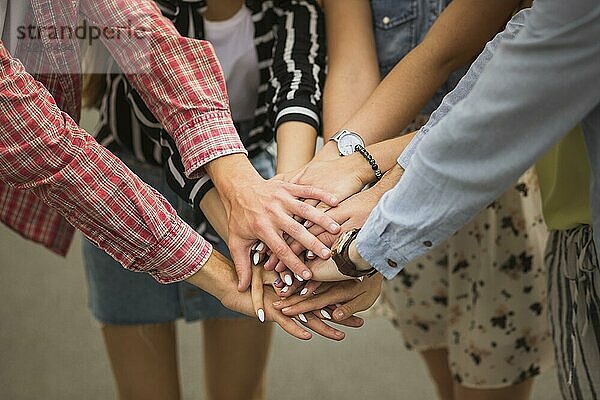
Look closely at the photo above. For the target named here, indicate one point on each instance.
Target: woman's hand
(349, 297)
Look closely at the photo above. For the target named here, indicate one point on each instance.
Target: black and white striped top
(290, 43)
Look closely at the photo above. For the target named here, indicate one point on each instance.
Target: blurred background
(51, 347)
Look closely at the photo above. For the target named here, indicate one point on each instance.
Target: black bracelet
(370, 159)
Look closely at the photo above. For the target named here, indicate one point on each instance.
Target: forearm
(456, 37)
(42, 150)
(296, 143)
(214, 210)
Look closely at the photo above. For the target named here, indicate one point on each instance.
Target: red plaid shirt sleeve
(44, 152)
(179, 78)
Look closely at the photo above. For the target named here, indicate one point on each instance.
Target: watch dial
(347, 143)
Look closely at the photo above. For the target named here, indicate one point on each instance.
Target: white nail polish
(285, 289)
(299, 278)
(256, 258)
(302, 317)
(325, 314)
(288, 280)
(254, 246)
(261, 315)
(260, 246)
(303, 291)
(310, 255)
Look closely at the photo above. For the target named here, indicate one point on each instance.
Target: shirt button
(385, 20)
(427, 243)
(392, 263)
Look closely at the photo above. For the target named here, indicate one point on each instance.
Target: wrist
(361, 168)
(329, 151)
(356, 258)
(216, 276)
(228, 172)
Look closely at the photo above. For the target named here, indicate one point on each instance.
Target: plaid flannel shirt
(51, 171)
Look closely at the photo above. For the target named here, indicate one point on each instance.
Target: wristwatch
(347, 141)
(339, 254)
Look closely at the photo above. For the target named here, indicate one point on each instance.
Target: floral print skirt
(482, 294)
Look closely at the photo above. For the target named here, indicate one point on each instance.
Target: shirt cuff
(410, 150)
(205, 139)
(179, 255)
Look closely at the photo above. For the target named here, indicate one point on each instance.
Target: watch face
(348, 142)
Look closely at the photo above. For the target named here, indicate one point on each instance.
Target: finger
(351, 322)
(240, 254)
(288, 325)
(311, 192)
(258, 294)
(322, 301)
(353, 306)
(318, 326)
(271, 262)
(288, 290)
(309, 213)
(282, 251)
(306, 292)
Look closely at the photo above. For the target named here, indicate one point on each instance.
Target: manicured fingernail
(303, 292)
(256, 258)
(277, 281)
(261, 315)
(310, 255)
(307, 224)
(285, 289)
(254, 246)
(302, 317)
(299, 277)
(326, 252)
(288, 280)
(334, 227)
(325, 314)
(306, 274)
(260, 247)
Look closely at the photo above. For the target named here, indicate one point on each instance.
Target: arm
(352, 75)
(523, 93)
(181, 82)
(455, 38)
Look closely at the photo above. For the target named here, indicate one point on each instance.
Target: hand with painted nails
(335, 301)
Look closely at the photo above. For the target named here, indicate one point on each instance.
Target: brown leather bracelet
(339, 254)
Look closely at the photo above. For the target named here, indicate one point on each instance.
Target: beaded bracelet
(370, 159)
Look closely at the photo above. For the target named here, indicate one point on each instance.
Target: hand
(349, 297)
(351, 213)
(264, 210)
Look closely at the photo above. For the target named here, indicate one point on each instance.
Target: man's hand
(264, 210)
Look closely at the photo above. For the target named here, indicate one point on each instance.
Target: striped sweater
(290, 44)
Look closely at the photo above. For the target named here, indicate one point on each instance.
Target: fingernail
(285, 289)
(326, 252)
(307, 224)
(260, 247)
(303, 292)
(310, 255)
(286, 309)
(277, 303)
(261, 315)
(277, 281)
(334, 227)
(339, 333)
(256, 258)
(254, 246)
(339, 315)
(325, 314)
(299, 277)
(288, 280)
(302, 317)
(306, 274)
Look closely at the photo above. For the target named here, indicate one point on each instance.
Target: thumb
(348, 309)
(240, 254)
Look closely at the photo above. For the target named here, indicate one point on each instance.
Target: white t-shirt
(233, 40)
(12, 16)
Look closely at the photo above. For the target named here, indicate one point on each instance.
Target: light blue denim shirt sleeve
(529, 87)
